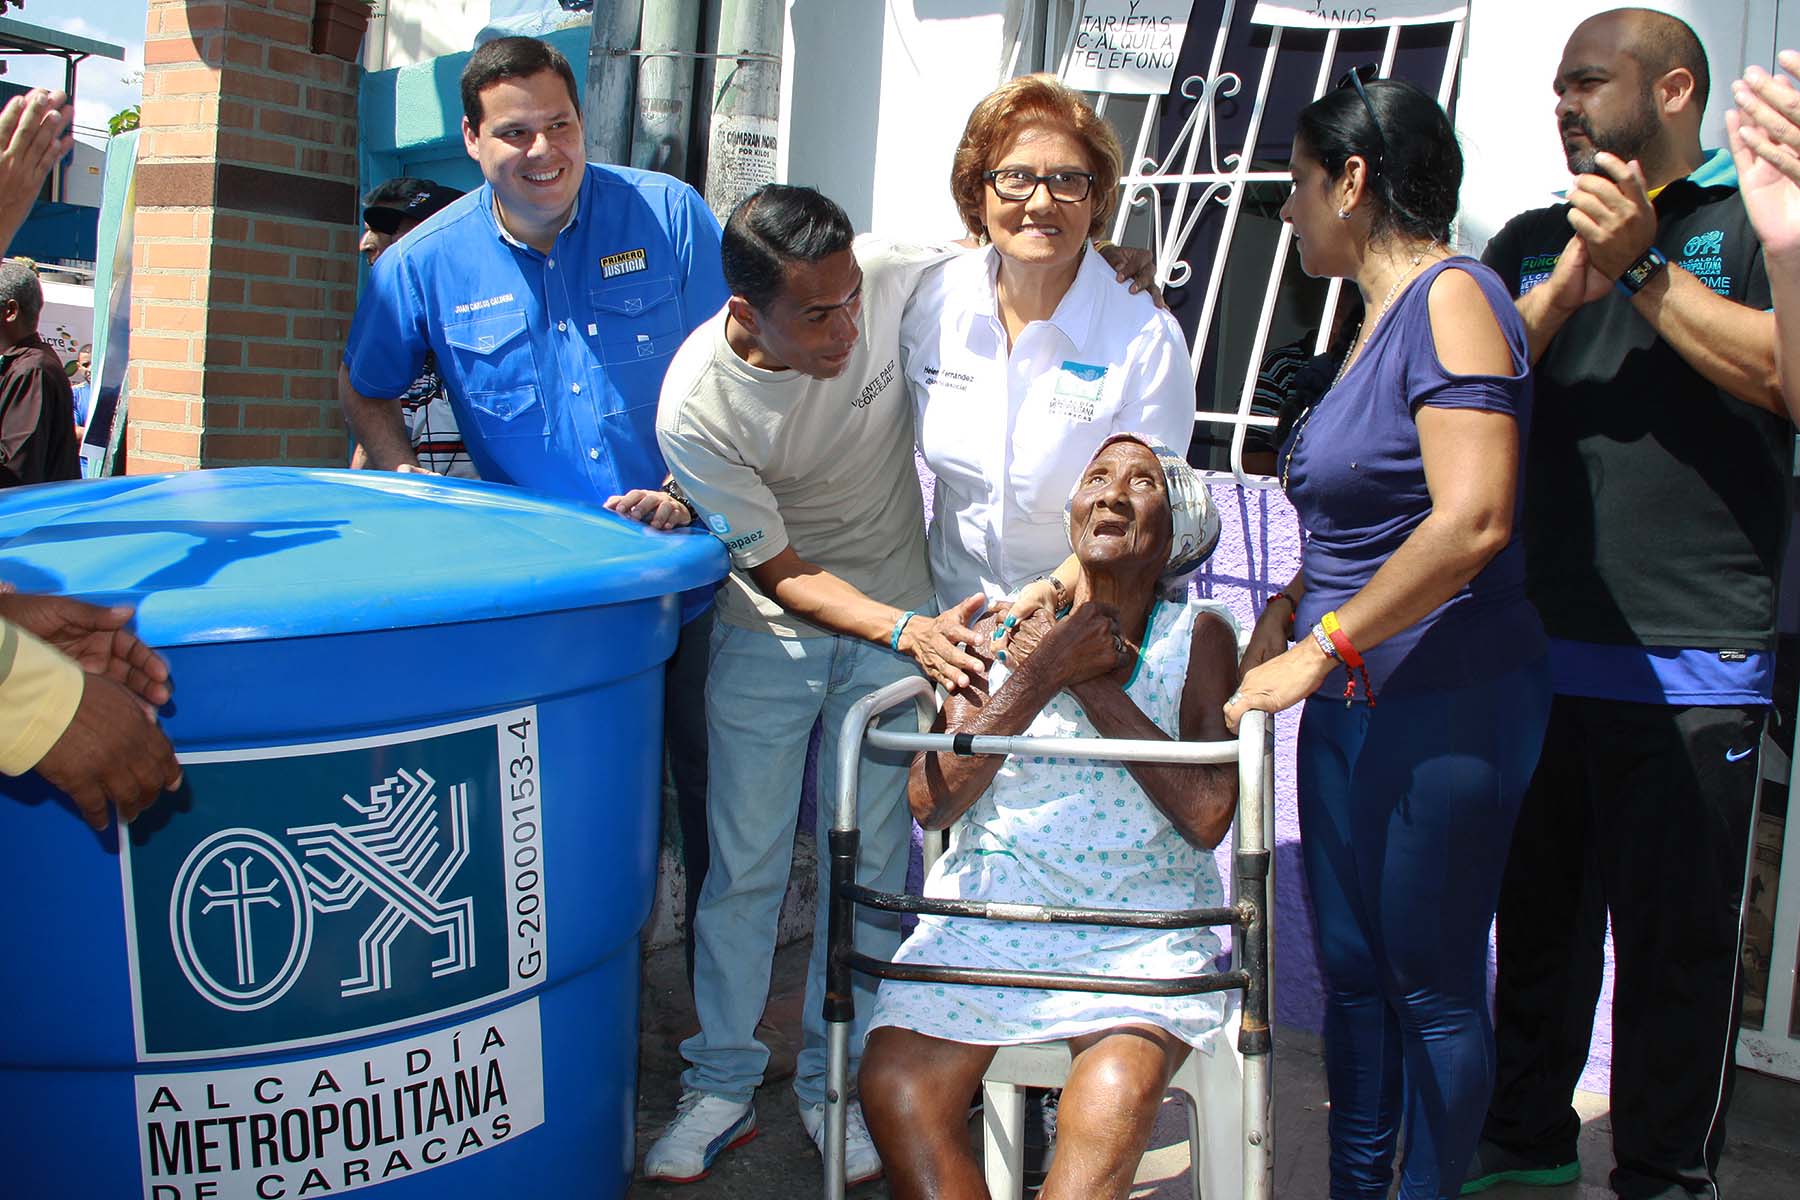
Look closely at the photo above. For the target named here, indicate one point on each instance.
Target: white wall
(1505, 115)
(875, 96)
(81, 178)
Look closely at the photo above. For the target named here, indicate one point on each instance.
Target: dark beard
(1628, 141)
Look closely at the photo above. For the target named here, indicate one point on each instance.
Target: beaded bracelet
(900, 627)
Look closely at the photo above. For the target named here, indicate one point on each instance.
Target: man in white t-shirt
(785, 423)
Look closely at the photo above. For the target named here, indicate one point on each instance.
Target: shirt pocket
(637, 320)
(498, 376)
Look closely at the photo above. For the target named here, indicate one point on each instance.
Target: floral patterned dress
(1061, 831)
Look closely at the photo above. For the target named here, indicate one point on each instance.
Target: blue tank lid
(255, 553)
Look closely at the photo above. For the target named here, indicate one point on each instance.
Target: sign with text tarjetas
(1128, 47)
(1355, 14)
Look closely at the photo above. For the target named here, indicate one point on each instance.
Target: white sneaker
(861, 1163)
(705, 1126)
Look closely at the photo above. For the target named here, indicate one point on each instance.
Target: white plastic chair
(1203, 1076)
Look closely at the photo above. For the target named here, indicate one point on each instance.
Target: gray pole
(746, 102)
(665, 86)
(606, 101)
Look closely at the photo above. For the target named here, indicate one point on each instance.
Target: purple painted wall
(1259, 552)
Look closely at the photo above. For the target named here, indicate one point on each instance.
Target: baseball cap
(405, 199)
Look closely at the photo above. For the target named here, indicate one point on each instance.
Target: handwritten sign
(1355, 14)
(1127, 46)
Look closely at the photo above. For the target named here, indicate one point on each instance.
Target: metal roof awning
(18, 37)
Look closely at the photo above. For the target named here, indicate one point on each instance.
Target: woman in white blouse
(1023, 359)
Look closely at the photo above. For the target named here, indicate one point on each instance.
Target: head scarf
(1194, 522)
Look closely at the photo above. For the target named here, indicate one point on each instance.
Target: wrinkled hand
(1611, 213)
(1038, 596)
(36, 129)
(95, 637)
(657, 509)
(112, 752)
(1279, 683)
(1023, 637)
(1085, 645)
(937, 644)
(1764, 132)
(1134, 267)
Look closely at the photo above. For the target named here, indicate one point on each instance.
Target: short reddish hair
(1026, 102)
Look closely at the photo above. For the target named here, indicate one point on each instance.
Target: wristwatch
(1633, 278)
(674, 489)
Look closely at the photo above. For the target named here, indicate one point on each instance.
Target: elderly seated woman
(1134, 658)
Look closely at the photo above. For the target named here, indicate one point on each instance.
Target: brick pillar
(244, 251)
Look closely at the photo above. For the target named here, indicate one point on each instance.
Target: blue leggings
(1406, 812)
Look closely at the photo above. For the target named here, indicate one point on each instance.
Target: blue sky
(101, 90)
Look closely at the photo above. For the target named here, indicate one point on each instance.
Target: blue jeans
(1406, 811)
(763, 694)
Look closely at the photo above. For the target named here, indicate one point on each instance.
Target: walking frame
(1247, 914)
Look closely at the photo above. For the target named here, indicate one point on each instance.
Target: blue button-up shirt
(553, 361)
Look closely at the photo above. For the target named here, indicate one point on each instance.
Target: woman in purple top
(1420, 662)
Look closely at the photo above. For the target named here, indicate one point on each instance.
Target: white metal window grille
(1173, 187)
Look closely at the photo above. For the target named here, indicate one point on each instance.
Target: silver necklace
(1364, 331)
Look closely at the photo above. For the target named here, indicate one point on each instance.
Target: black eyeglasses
(1066, 187)
(1354, 78)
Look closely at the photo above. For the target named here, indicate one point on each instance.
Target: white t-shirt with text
(774, 459)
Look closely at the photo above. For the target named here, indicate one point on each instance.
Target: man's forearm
(1730, 345)
(1542, 320)
(816, 595)
(377, 426)
(1784, 286)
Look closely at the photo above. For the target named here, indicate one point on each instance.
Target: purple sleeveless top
(1357, 481)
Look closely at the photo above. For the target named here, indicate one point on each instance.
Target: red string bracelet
(1348, 655)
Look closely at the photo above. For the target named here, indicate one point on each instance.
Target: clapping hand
(1764, 131)
(1611, 213)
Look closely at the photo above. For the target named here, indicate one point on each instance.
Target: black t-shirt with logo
(1656, 505)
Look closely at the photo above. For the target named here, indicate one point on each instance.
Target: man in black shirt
(37, 405)
(1657, 493)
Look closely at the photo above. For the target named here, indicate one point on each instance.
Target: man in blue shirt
(552, 297)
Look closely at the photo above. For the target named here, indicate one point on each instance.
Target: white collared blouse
(1007, 432)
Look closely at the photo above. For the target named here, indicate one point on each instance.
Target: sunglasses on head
(1354, 78)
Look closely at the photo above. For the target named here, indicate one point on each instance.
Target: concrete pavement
(1762, 1160)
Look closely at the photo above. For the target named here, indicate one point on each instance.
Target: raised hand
(1764, 133)
(36, 129)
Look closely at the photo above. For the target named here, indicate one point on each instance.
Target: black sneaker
(1040, 1134)
(1495, 1164)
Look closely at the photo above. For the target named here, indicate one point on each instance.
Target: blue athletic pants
(1406, 812)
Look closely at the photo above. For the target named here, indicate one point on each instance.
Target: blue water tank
(386, 934)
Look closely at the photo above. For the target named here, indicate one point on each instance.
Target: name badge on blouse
(1077, 392)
